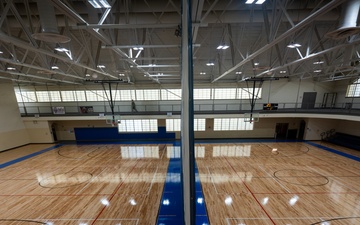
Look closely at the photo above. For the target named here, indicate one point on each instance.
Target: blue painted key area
(171, 206)
(201, 213)
(111, 134)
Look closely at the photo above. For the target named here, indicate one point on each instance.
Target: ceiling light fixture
(238, 72)
(67, 51)
(138, 48)
(1, 52)
(61, 49)
(54, 67)
(258, 2)
(318, 62)
(202, 73)
(283, 71)
(222, 47)
(98, 4)
(11, 68)
(121, 74)
(294, 45)
(210, 64)
(317, 71)
(160, 74)
(101, 66)
(256, 64)
(158, 66)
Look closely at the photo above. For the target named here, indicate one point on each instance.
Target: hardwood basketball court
(242, 183)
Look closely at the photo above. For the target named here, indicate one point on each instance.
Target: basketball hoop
(112, 120)
(251, 117)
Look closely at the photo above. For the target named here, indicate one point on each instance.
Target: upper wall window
(170, 94)
(222, 124)
(225, 93)
(246, 93)
(175, 124)
(152, 94)
(137, 95)
(354, 89)
(127, 95)
(204, 93)
(143, 125)
(42, 96)
(48, 96)
(27, 96)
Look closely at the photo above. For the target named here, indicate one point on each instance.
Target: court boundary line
(337, 152)
(12, 162)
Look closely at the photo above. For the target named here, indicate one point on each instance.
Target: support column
(187, 116)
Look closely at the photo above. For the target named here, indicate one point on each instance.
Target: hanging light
(98, 4)
(222, 47)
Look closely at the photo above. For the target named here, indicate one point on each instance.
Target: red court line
(267, 214)
(50, 195)
(113, 194)
(307, 193)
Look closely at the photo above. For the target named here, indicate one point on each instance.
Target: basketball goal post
(112, 119)
(254, 116)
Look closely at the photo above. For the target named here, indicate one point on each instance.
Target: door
(53, 131)
(308, 101)
(329, 100)
(301, 130)
(281, 130)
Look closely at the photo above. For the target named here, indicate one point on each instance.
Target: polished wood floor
(279, 183)
(85, 184)
(243, 184)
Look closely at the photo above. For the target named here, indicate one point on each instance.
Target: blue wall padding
(94, 134)
(346, 140)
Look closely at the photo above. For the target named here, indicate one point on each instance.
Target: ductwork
(348, 20)
(49, 31)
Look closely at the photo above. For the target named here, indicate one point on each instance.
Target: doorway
(302, 130)
(281, 130)
(329, 100)
(308, 101)
(53, 131)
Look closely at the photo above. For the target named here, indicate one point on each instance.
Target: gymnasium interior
(231, 112)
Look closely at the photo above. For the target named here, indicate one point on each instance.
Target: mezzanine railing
(163, 107)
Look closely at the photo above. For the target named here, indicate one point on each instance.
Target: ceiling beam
(311, 56)
(22, 44)
(39, 77)
(145, 46)
(77, 18)
(132, 26)
(9, 61)
(282, 37)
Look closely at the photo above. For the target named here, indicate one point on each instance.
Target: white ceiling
(254, 33)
